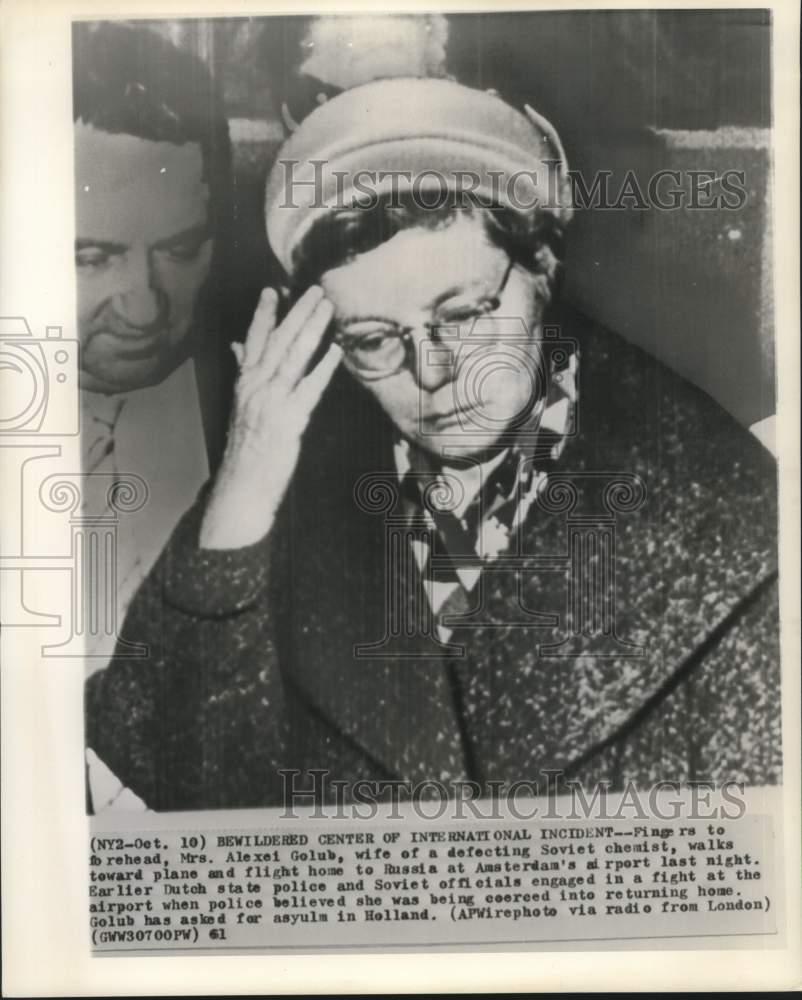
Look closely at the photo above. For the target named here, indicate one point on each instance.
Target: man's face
(142, 254)
(467, 381)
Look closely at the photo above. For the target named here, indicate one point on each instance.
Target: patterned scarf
(461, 542)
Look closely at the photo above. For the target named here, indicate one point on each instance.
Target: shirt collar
(471, 476)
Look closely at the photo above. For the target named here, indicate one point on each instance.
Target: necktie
(101, 469)
(99, 425)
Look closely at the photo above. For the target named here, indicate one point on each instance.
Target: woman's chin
(456, 443)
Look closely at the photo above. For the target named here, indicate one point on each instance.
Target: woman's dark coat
(251, 664)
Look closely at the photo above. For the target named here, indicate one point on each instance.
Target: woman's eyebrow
(433, 304)
(367, 318)
(460, 289)
(448, 293)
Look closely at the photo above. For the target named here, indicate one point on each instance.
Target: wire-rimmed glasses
(390, 348)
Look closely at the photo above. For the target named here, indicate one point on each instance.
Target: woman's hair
(531, 241)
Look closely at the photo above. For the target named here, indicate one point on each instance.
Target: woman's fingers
(277, 386)
(301, 350)
(311, 388)
(262, 324)
(270, 416)
(238, 351)
(289, 328)
(295, 403)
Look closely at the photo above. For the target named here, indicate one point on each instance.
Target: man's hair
(129, 80)
(533, 241)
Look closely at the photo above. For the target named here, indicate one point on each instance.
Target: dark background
(627, 90)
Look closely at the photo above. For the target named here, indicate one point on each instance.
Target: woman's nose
(434, 361)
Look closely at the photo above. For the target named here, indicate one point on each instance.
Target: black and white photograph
(411, 471)
(495, 498)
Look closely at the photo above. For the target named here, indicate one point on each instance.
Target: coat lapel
(363, 648)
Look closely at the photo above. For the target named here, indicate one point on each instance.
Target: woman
(426, 556)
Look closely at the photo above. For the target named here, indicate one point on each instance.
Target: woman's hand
(274, 400)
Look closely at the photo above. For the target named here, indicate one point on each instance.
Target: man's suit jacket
(660, 503)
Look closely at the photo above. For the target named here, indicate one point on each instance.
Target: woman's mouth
(449, 418)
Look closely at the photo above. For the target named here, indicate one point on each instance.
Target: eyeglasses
(386, 350)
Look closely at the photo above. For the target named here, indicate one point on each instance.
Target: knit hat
(432, 137)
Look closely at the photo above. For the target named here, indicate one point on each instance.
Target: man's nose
(140, 302)
(435, 360)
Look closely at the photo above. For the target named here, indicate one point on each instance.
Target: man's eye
(184, 251)
(91, 257)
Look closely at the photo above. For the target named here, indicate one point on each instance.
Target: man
(443, 544)
(151, 173)
(151, 165)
